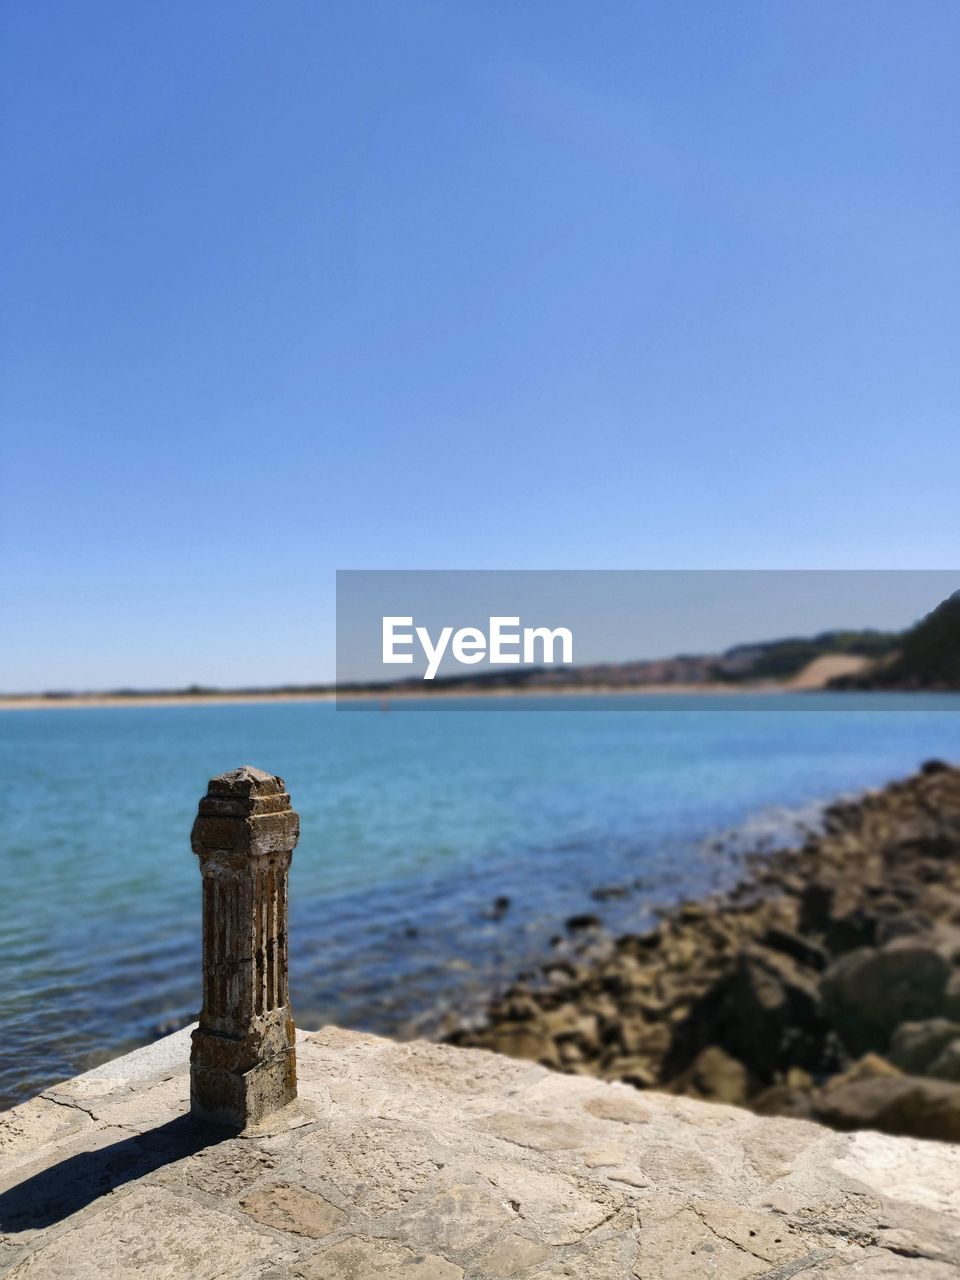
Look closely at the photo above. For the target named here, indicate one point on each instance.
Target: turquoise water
(413, 822)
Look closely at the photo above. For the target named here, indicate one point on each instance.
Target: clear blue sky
(297, 286)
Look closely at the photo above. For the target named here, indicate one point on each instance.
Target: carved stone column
(243, 1060)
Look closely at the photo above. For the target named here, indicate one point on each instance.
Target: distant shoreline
(816, 675)
(78, 701)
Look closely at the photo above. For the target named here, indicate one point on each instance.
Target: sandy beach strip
(813, 677)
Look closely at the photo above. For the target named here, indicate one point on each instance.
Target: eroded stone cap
(246, 781)
(245, 813)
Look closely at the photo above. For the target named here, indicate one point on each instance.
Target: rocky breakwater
(825, 986)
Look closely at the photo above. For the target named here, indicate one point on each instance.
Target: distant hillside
(765, 662)
(925, 657)
(783, 659)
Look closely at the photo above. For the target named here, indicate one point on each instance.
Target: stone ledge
(426, 1162)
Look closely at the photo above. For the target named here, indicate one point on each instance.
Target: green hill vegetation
(925, 657)
(783, 659)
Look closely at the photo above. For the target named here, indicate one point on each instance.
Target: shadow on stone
(62, 1189)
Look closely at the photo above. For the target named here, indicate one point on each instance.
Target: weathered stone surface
(376, 1166)
(698, 1242)
(290, 1208)
(511, 1254)
(152, 1232)
(35, 1124)
(558, 1208)
(226, 1169)
(359, 1259)
(243, 1061)
(404, 1164)
(456, 1217)
(540, 1132)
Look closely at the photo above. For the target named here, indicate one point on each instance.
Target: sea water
(413, 823)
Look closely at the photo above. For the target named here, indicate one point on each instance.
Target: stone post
(243, 1061)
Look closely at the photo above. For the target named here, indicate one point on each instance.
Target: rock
(801, 949)
(604, 892)
(946, 1066)
(821, 954)
(931, 767)
(915, 1045)
(639, 1037)
(847, 929)
(714, 1076)
(784, 1100)
(765, 1013)
(797, 1078)
(909, 1105)
(816, 902)
(638, 1071)
(498, 909)
(521, 1040)
(872, 990)
(584, 921)
(870, 1067)
(521, 1007)
(691, 912)
(902, 925)
(834, 912)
